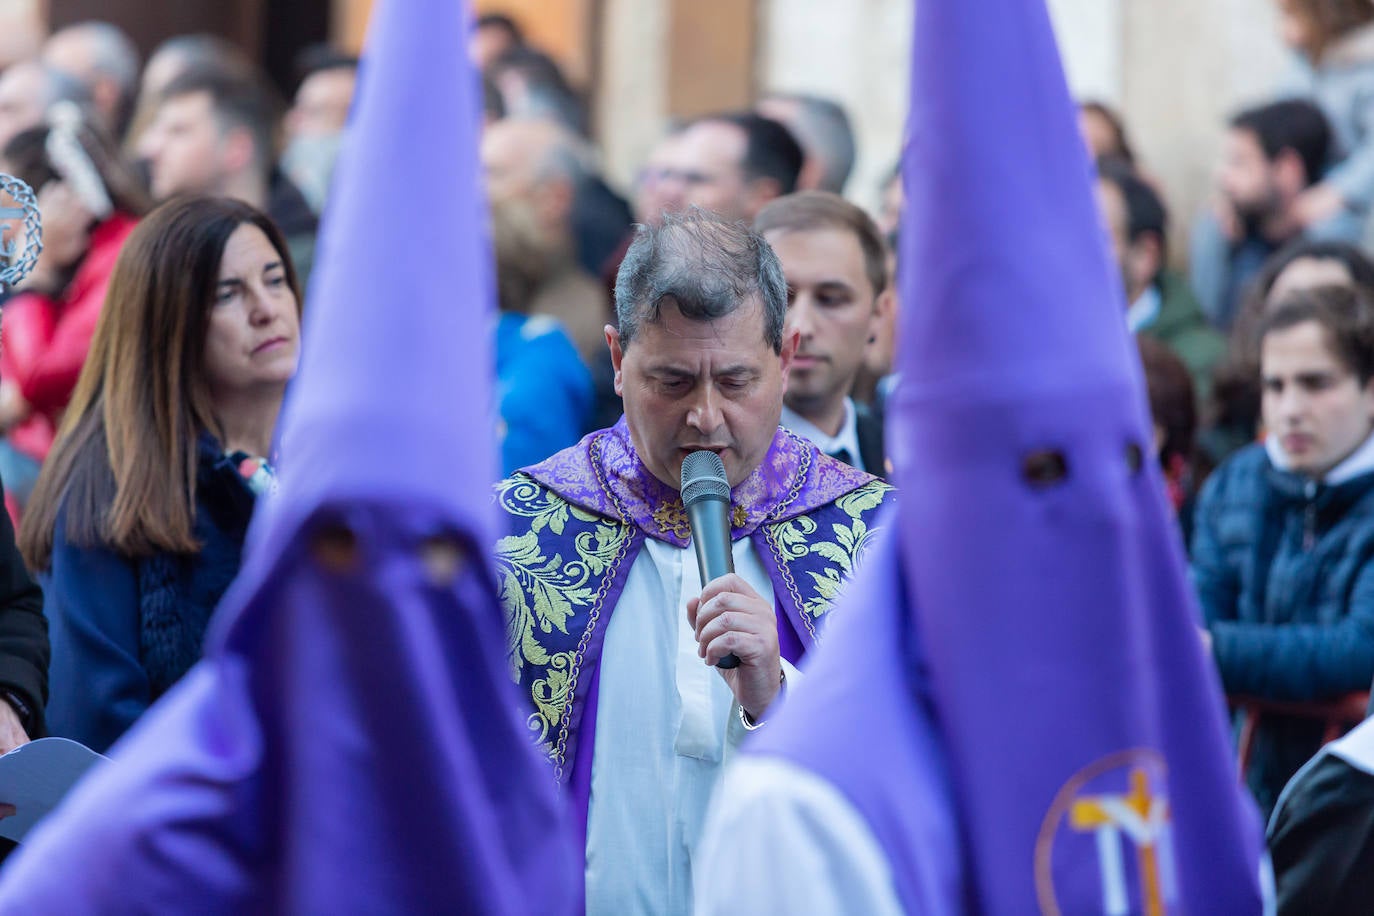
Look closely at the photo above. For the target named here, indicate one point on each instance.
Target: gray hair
(114, 54)
(708, 267)
(823, 128)
(200, 49)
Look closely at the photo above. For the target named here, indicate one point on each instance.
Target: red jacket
(45, 340)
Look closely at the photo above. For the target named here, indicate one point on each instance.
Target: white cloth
(847, 438)
(666, 724)
(1144, 310)
(781, 840)
(1357, 747)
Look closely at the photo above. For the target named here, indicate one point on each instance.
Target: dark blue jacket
(124, 630)
(1284, 568)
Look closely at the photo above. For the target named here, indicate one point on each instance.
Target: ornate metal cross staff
(18, 262)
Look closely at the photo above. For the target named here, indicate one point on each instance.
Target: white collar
(1144, 310)
(1357, 748)
(847, 438)
(1360, 461)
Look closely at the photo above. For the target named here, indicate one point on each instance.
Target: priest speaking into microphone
(613, 637)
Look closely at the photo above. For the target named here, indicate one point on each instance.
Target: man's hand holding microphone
(736, 629)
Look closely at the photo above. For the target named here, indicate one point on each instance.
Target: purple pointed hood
(1083, 721)
(394, 394)
(353, 741)
(1001, 226)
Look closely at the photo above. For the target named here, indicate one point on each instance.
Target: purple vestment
(1038, 685)
(577, 521)
(351, 743)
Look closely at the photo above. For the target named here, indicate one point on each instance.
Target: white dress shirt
(666, 724)
(847, 438)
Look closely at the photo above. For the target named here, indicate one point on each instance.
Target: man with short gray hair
(732, 163)
(535, 169)
(28, 91)
(635, 721)
(104, 60)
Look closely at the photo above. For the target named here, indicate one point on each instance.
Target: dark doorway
(287, 28)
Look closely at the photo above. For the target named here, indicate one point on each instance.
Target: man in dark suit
(837, 294)
(1321, 837)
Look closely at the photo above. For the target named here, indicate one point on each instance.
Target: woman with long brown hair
(138, 518)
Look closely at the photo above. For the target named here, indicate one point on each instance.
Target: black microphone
(706, 497)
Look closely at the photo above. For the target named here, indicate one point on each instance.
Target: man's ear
(239, 150)
(791, 339)
(617, 357)
(883, 307)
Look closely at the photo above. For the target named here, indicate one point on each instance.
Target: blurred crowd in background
(104, 136)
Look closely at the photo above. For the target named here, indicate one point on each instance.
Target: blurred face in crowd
(1247, 177)
(254, 333)
(1313, 403)
(1138, 261)
(690, 385)
(76, 53)
(23, 89)
(1098, 132)
(833, 308)
(1309, 273)
(322, 101)
(488, 43)
(515, 153)
(710, 166)
(186, 148)
(510, 153)
(660, 188)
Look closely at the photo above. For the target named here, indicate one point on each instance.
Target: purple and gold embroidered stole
(579, 519)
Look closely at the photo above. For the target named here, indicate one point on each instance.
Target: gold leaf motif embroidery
(540, 594)
(796, 538)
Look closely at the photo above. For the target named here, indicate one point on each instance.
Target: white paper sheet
(35, 777)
